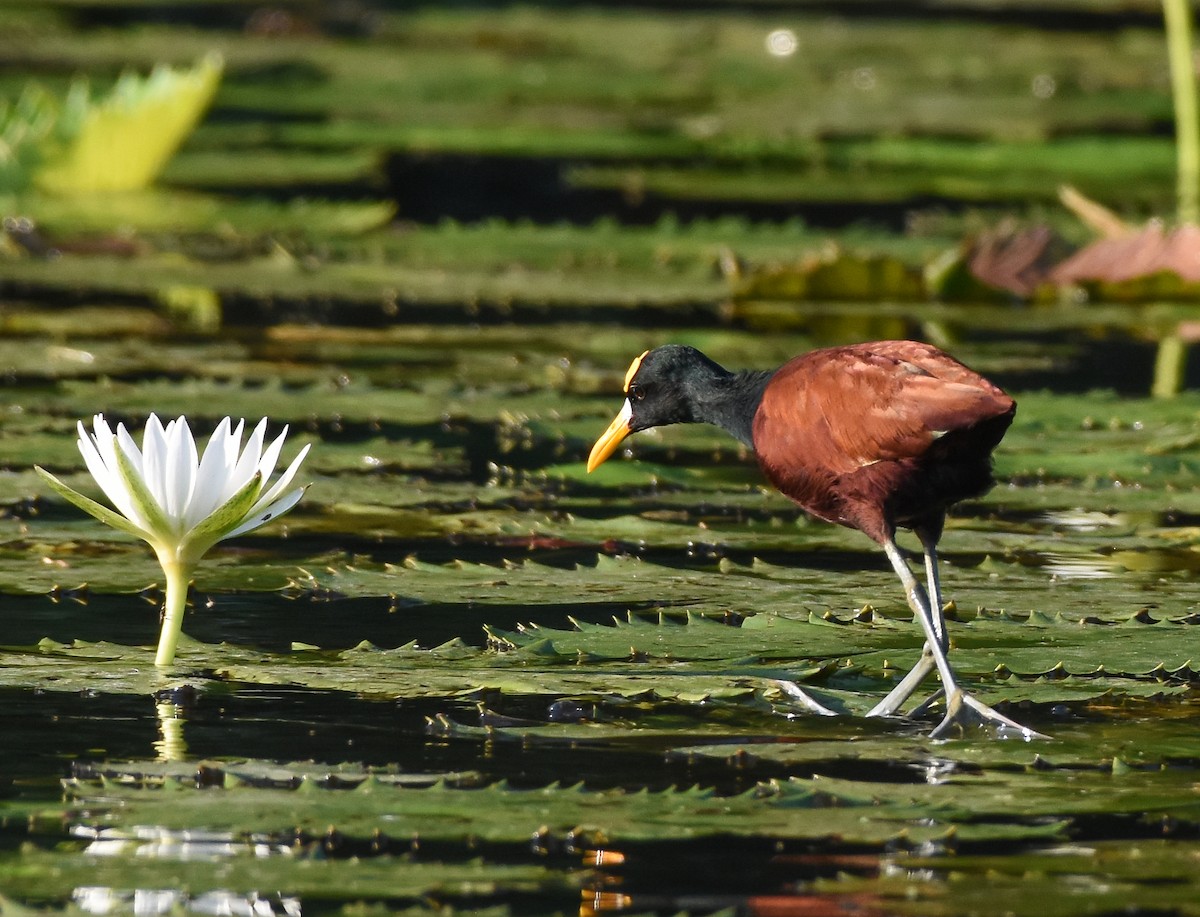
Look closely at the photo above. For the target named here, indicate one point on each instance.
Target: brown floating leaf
(1143, 253)
(1017, 260)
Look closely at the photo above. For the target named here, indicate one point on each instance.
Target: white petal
(210, 476)
(278, 508)
(103, 438)
(125, 441)
(169, 457)
(266, 464)
(108, 479)
(154, 459)
(284, 480)
(181, 467)
(87, 448)
(233, 450)
(126, 444)
(234, 446)
(143, 501)
(191, 465)
(248, 463)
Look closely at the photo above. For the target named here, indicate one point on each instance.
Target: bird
(873, 436)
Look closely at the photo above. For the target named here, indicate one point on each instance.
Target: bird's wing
(850, 407)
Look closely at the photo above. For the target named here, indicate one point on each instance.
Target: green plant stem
(1178, 16)
(177, 574)
(1170, 363)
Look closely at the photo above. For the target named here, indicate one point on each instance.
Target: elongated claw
(798, 694)
(964, 711)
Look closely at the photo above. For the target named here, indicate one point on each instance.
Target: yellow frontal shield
(633, 368)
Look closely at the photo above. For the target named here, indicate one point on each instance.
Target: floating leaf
(821, 808)
(835, 276)
(118, 143)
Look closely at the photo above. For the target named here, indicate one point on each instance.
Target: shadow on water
(235, 722)
(357, 18)
(469, 188)
(275, 622)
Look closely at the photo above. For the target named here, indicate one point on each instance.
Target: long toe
(964, 712)
(921, 708)
(890, 705)
(801, 697)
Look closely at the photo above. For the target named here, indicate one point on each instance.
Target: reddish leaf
(1141, 254)
(1015, 260)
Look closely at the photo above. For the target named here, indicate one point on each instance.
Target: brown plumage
(871, 436)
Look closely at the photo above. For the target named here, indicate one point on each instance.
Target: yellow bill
(607, 444)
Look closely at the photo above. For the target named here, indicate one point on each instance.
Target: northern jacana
(870, 436)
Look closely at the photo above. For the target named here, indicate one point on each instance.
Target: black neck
(730, 402)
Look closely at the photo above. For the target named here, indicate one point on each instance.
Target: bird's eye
(637, 393)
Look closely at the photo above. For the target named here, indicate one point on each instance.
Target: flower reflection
(171, 744)
(149, 902)
(155, 843)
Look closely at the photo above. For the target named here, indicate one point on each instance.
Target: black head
(663, 386)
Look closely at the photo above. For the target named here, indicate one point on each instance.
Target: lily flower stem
(178, 575)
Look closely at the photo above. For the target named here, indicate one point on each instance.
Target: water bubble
(782, 43)
(863, 78)
(1044, 86)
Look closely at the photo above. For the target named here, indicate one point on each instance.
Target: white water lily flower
(180, 502)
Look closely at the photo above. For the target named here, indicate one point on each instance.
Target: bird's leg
(929, 531)
(929, 539)
(920, 605)
(961, 708)
(919, 672)
(929, 543)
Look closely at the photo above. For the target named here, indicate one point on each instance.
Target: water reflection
(176, 846)
(1079, 566)
(165, 844)
(1082, 520)
(146, 901)
(170, 744)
